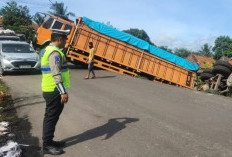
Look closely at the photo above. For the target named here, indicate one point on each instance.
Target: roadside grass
(3, 88)
(5, 101)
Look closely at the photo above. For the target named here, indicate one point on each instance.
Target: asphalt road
(121, 116)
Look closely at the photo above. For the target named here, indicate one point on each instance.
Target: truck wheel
(221, 70)
(223, 63)
(206, 76)
(209, 71)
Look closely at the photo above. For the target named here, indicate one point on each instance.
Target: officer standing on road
(55, 81)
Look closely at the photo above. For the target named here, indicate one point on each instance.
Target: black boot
(58, 143)
(52, 150)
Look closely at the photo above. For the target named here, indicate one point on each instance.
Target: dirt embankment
(19, 128)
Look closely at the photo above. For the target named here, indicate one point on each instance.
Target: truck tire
(209, 71)
(223, 63)
(221, 70)
(206, 76)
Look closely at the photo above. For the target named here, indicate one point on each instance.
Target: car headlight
(5, 62)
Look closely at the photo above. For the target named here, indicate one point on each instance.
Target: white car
(17, 56)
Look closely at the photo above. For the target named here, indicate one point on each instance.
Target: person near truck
(55, 81)
(90, 61)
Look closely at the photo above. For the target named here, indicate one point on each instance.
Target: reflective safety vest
(48, 82)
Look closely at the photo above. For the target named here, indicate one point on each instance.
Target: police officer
(55, 81)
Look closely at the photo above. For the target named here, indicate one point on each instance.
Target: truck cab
(43, 35)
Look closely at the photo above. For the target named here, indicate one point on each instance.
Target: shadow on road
(109, 129)
(20, 100)
(102, 77)
(28, 143)
(29, 104)
(22, 73)
(19, 131)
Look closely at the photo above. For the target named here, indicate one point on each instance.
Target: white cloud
(174, 42)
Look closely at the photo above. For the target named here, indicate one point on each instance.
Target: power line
(51, 2)
(54, 6)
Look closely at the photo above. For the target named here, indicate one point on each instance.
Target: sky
(173, 23)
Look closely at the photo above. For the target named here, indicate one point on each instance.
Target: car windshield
(16, 48)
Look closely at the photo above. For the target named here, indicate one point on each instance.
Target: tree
(166, 48)
(223, 47)
(182, 52)
(14, 15)
(58, 9)
(139, 34)
(38, 19)
(206, 50)
(17, 18)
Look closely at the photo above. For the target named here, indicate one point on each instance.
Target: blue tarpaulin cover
(122, 36)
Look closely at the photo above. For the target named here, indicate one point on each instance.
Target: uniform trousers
(52, 113)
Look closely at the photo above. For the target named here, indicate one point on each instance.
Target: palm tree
(206, 50)
(58, 9)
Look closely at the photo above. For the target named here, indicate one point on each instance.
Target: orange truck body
(117, 56)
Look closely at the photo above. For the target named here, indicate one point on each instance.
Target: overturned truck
(119, 52)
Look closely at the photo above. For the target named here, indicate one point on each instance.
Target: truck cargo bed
(118, 56)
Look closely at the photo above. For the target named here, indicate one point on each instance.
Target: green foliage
(182, 52)
(198, 79)
(223, 46)
(3, 87)
(58, 9)
(15, 15)
(138, 76)
(38, 19)
(166, 48)
(206, 66)
(141, 34)
(28, 31)
(17, 18)
(206, 50)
